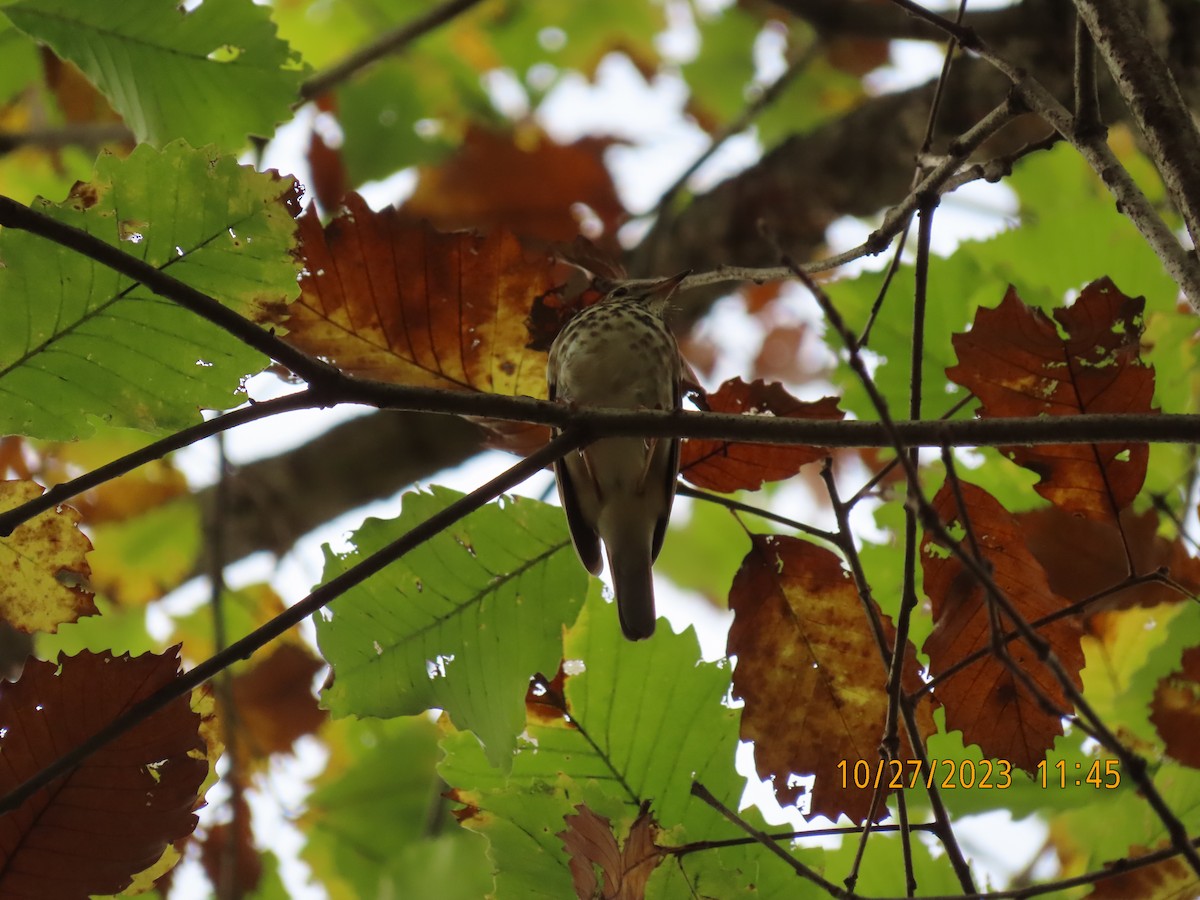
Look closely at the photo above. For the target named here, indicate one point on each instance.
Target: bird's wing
(587, 542)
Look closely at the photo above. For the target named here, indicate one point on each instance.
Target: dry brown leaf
(986, 701)
(1175, 710)
(591, 844)
(1083, 557)
(1171, 879)
(227, 852)
(521, 181)
(275, 702)
(810, 673)
(410, 305)
(728, 466)
(1018, 364)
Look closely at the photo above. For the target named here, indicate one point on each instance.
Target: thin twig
(836, 831)
(227, 882)
(699, 790)
(78, 134)
(737, 505)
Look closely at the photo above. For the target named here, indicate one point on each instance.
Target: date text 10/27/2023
(984, 774)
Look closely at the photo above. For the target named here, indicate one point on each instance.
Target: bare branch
(1154, 99)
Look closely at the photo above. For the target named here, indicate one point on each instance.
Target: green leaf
(956, 288)
(369, 817)
(1068, 237)
(115, 630)
(378, 114)
(589, 31)
(1141, 647)
(646, 719)
(214, 74)
(79, 340)
(461, 623)
(19, 62)
(138, 560)
(704, 552)
(724, 68)
(1118, 820)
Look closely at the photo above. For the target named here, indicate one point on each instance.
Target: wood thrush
(619, 354)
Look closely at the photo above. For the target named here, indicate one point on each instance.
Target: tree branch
(1154, 100)
(1180, 264)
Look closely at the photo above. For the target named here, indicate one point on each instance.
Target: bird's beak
(662, 290)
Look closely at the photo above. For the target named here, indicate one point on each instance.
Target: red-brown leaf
(275, 703)
(1083, 557)
(1175, 710)
(590, 842)
(520, 181)
(411, 305)
(1171, 879)
(810, 673)
(232, 862)
(728, 466)
(115, 815)
(986, 701)
(1018, 364)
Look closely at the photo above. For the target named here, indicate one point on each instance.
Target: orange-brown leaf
(330, 182)
(1083, 557)
(410, 305)
(46, 577)
(227, 852)
(1018, 364)
(1175, 710)
(275, 702)
(809, 671)
(117, 813)
(1171, 879)
(728, 466)
(523, 182)
(590, 843)
(986, 701)
(77, 97)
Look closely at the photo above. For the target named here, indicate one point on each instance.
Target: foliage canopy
(914, 640)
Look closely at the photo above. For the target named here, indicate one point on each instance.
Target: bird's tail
(629, 562)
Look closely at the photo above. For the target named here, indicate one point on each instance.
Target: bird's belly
(620, 373)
